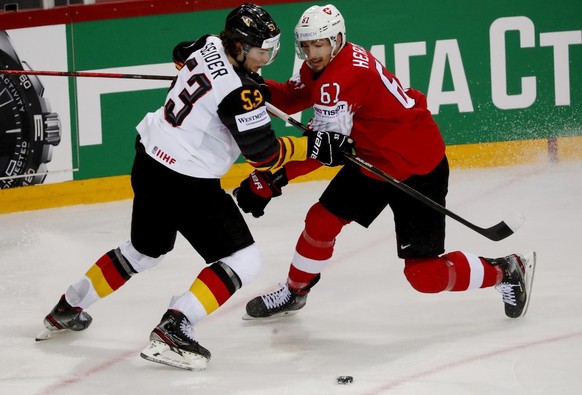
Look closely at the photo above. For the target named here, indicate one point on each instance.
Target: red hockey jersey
(356, 95)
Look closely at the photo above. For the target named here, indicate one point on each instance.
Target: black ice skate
(278, 303)
(64, 317)
(172, 343)
(516, 285)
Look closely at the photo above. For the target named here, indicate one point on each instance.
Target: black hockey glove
(256, 191)
(182, 52)
(328, 147)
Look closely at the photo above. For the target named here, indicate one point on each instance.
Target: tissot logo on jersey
(322, 112)
(337, 117)
(252, 119)
(163, 156)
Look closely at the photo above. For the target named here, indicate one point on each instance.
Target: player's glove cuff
(256, 191)
(329, 147)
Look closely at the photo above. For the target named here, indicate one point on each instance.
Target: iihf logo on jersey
(163, 156)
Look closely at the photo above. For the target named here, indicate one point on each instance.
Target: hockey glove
(328, 147)
(181, 53)
(256, 191)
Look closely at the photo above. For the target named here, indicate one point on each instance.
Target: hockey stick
(88, 74)
(497, 232)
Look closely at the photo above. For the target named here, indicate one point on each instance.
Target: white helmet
(317, 23)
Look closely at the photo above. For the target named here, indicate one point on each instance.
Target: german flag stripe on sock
(215, 285)
(109, 273)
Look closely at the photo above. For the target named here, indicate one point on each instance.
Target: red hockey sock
(455, 271)
(298, 279)
(314, 247)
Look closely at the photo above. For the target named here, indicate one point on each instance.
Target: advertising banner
(492, 71)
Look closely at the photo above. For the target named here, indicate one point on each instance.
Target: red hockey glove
(256, 191)
(328, 147)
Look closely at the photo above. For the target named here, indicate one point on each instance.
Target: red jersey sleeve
(299, 168)
(287, 97)
(295, 94)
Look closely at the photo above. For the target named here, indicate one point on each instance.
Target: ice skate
(62, 318)
(275, 304)
(172, 343)
(516, 285)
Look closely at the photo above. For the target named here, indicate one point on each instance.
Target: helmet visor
(305, 33)
(272, 46)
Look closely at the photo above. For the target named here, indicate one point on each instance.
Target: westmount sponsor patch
(252, 119)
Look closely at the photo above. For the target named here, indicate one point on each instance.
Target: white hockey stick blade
(160, 352)
(530, 269)
(515, 220)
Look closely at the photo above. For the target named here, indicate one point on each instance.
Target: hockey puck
(345, 379)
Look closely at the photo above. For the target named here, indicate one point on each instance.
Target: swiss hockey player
(352, 92)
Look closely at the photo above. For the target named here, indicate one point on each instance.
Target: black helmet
(253, 26)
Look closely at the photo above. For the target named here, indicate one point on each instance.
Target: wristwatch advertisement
(28, 129)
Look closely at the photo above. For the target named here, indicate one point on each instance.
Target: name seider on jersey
(214, 60)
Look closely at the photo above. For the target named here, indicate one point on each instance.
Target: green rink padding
(488, 68)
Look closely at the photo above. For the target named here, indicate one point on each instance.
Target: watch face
(21, 131)
(27, 130)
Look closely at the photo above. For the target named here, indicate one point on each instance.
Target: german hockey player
(214, 111)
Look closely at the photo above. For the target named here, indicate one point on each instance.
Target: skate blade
(48, 333)
(160, 352)
(281, 314)
(530, 268)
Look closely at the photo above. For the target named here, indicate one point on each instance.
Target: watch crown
(52, 128)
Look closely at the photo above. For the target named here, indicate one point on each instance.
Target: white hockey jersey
(213, 111)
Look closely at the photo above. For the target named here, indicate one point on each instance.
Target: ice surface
(362, 319)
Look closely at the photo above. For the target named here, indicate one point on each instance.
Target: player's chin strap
(497, 232)
(245, 51)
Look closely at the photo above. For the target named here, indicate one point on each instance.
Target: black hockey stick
(497, 232)
(88, 74)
